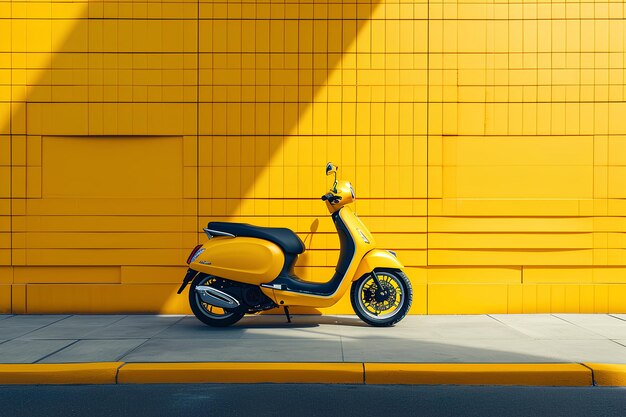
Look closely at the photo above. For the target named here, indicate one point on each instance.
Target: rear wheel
(207, 313)
(384, 306)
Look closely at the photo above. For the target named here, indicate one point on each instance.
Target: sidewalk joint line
(513, 329)
(492, 317)
(619, 318)
(94, 328)
(56, 351)
(171, 325)
(343, 359)
(497, 320)
(581, 327)
(119, 358)
(43, 327)
(117, 321)
(619, 343)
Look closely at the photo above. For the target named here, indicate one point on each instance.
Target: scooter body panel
(242, 259)
(376, 258)
(363, 243)
(362, 232)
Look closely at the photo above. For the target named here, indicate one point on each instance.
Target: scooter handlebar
(332, 199)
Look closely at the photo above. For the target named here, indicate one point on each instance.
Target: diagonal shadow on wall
(246, 80)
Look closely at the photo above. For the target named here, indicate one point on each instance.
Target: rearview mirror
(331, 169)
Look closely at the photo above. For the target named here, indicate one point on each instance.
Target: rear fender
(376, 258)
(191, 274)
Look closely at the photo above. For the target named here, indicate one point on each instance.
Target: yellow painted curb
(478, 374)
(323, 373)
(62, 373)
(241, 372)
(607, 374)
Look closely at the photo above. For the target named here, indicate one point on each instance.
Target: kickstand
(287, 314)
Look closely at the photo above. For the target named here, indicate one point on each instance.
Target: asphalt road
(308, 400)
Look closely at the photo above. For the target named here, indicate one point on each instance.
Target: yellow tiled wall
(486, 142)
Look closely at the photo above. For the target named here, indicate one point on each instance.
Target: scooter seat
(287, 240)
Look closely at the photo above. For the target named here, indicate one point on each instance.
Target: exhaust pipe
(216, 297)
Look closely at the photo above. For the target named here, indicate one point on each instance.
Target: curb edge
(537, 374)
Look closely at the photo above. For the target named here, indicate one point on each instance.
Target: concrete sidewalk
(549, 350)
(556, 338)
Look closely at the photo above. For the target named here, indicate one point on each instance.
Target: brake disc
(386, 303)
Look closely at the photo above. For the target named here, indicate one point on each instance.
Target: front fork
(380, 291)
(376, 280)
(191, 274)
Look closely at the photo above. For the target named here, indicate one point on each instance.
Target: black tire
(200, 311)
(356, 297)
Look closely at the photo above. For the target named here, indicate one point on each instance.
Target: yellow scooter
(247, 269)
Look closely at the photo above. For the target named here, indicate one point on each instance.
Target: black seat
(288, 241)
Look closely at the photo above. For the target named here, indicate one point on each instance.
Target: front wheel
(206, 313)
(385, 306)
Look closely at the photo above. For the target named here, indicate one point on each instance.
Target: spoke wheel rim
(208, 309)
(381, 310)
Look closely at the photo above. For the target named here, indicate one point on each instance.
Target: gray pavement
(308, 400)
(454, 339)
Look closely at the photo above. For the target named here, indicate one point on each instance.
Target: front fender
(376, 258)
